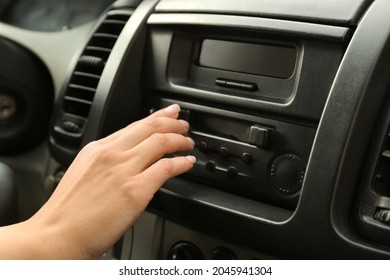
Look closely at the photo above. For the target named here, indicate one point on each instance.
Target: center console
(253, 95)
(253, 91)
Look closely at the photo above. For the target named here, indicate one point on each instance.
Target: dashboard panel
(288, 109)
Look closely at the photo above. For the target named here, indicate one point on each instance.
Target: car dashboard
(287, 102)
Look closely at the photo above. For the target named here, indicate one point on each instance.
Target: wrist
(52, 240)
(35, 239)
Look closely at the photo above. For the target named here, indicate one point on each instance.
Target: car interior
(288, 103)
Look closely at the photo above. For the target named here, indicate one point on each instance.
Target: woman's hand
(107, 187)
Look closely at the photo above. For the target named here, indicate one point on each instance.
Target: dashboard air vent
(381, 182)
(373, 219)
(80, 91)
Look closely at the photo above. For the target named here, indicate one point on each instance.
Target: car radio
(253, 100)
(259, 158)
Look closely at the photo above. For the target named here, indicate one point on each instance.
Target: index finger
(171, 111)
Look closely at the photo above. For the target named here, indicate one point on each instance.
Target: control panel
(259, 158)
(181, 243)
(253, 96)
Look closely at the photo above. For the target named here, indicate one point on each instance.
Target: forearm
(28, 241)
(19, 241)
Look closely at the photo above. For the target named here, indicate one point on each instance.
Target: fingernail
(185, 123)
(172, 109)
(191, 159)
(191, 141)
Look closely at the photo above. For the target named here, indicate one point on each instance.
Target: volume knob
(286, 173)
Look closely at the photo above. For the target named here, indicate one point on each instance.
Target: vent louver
(381, 180)
(373, 217)
(80, 92)
(375, 198)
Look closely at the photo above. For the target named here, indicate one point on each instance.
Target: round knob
(211, 165)
(184, 251)
(202, 146)
(232, 171)
(287, 173)
(247, 158)
(223, 151)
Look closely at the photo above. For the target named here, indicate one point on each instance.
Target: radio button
(258, 136)
(247, 158)
(236, 84)
(211, 165)
(202, 146)
(223, 151)
(233, 84)
(232, 171)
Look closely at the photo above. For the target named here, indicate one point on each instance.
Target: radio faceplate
(259, 158)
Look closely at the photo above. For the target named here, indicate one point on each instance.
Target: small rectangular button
(258, 136)
(220, 82)
(233, 84)
(249, 87)
(236, 84)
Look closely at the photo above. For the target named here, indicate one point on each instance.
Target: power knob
(286, 173)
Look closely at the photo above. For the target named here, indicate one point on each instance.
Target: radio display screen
(259, 59)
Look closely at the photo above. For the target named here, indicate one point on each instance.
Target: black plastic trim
(336, 12)
(290, 28)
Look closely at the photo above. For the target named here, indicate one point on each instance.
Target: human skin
(103, 192)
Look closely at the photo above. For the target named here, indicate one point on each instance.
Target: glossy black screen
(259, 59)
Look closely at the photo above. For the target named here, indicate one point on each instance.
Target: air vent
(373, 219)
(80, 92)
(381, 180)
